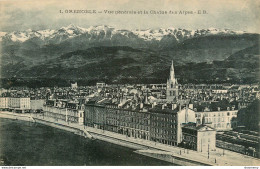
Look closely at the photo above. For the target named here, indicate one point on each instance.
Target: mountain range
(115, 55)
(107, 32)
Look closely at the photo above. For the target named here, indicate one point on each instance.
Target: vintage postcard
(129, 83)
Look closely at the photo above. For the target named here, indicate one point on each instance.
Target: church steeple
(172, 86)
(172, 75)
(172, 68)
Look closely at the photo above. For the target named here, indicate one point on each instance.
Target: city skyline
(199, 122)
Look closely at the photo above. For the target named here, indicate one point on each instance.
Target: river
(31, 144)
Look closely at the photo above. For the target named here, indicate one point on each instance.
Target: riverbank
(163, 152)
(33, 144)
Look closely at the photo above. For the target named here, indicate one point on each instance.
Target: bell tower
(172, 86)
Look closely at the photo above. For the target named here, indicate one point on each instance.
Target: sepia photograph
(129, 83)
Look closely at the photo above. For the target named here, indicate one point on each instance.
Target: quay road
(216, 158)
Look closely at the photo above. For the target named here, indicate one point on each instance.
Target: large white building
(19, 103)
(68, 112)
(4, 102)
(15, 103)
(220, 120)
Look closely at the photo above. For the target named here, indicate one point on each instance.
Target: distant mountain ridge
(124, 64)
(114, 55)
(107, 32)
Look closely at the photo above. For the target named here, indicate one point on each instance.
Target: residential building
(19, 103)
(200, 138)
(4, 103)
(108, 116)
(70, 112)
(220, 120)
(166, 123)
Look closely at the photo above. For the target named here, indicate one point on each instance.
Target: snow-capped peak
(100, 28)
(72, 31)
(71, 26)
(46, 33)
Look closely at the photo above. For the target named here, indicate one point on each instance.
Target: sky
(17, 15)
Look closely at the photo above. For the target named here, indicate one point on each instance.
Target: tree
(249, 116)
